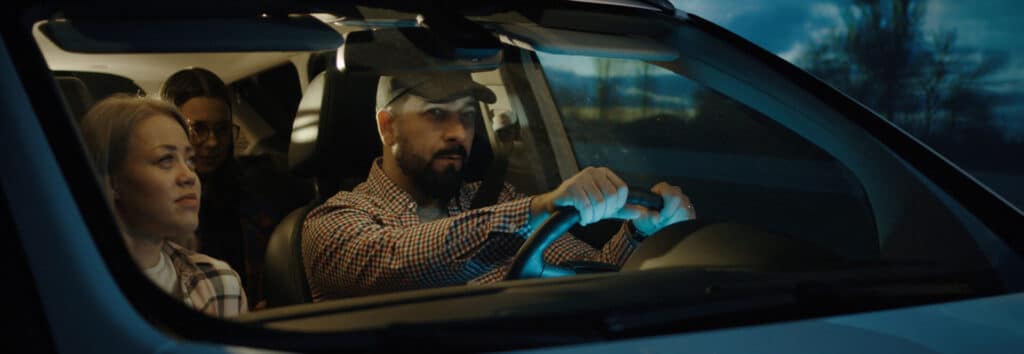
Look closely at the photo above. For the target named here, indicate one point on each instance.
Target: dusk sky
(787, 27)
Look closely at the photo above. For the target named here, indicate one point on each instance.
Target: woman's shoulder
(214, 287)
(200, 260)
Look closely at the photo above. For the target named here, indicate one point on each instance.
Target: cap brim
(450, 90)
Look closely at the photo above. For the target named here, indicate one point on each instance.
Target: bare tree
(926, 83)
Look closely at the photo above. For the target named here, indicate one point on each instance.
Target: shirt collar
(393, 197)
(189, 274)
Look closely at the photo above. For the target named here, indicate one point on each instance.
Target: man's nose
(211, 140)
(456, 129)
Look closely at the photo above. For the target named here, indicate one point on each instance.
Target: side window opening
(519, 73)
(274, 94)
(80, 89)
(508, 128)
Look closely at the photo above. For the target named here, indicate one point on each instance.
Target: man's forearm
(540, 210)
(358, 251)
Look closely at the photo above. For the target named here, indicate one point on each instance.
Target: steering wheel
(529, 262)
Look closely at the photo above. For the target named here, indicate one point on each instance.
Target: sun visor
(391, 50)
(567, 42)
(156, 35)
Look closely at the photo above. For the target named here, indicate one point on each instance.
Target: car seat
(76, 95)
(334, 140)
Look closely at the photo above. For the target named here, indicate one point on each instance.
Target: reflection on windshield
(650, 124)
(943, 70)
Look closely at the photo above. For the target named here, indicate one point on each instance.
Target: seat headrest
(334, 135)
(76, 95)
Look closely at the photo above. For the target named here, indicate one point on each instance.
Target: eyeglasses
(200, 132)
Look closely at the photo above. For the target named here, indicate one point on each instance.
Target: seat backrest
(284, 273)
(334, 140)
(334, 136)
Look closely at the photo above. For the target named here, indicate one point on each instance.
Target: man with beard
(409, 225)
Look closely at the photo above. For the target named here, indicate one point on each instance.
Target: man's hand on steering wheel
(677, 208)
(592, 195)
(596, 192)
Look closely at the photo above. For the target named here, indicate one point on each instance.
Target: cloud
(787, 26)
(774, 25)
(991, 25)
(722, 11)
(826, 10)
(794, 52)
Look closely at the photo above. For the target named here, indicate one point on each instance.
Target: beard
(441, 185)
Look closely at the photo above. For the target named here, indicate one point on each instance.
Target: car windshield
(782, 183)
(650, 124)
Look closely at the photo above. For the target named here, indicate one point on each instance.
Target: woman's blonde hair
(107, 128)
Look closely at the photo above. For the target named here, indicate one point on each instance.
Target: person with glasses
(237, 217)
(205, 102)
(247, 195)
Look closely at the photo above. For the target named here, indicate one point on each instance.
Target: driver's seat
(334, 140)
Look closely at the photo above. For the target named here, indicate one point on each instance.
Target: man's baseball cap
(433, 86)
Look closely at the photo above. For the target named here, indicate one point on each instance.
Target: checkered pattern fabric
(371, 241)
(207, 284)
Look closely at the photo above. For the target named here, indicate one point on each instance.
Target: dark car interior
(702, 274)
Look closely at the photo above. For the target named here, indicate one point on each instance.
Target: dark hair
(194, 82)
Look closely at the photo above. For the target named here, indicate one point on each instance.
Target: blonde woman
(141, 151)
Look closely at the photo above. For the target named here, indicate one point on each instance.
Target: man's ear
(385, 127)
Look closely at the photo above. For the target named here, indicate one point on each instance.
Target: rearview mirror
(393, 50)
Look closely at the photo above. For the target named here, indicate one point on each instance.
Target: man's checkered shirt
(371, 241)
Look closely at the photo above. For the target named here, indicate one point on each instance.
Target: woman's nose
(187, 176)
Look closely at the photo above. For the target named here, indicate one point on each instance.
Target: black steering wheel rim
(529, 263)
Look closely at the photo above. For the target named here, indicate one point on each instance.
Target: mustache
(454, 150)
